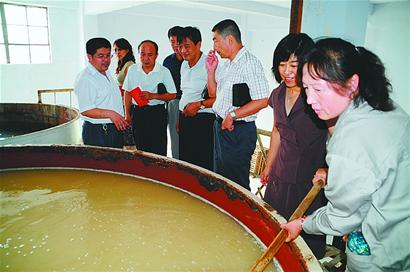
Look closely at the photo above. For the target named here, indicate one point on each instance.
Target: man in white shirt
(149, 121)
(241, 90)
(196, 139)
(99, 98)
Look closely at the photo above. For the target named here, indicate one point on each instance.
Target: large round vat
(38, 124)
(251, 212)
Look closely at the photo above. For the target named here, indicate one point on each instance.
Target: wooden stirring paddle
(279, 240)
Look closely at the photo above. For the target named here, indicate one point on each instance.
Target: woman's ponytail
(374, 87)
(336, 60)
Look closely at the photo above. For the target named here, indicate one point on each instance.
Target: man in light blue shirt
(149, 121)
(99, 98)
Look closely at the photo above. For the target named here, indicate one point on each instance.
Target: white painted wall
(388, 36)
(382, 28)
(260, 33)
(336, 18)
(70, 28)
(19, 82)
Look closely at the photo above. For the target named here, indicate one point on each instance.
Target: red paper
(135, 93)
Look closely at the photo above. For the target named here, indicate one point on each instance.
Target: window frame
(6, 42)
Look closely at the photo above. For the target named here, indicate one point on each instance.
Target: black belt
(106, 127)
(219, 119)
(148, 107)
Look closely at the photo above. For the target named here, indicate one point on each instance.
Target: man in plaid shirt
(241, 91)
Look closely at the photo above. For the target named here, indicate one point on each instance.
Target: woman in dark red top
(298, 138)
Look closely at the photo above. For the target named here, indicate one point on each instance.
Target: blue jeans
(105, 135)
(233, 151)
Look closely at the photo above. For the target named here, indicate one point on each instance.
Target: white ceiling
(267, 7)
(385, 1)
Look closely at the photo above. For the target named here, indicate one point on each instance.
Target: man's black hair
(174, 31)
(94, 44)
(228, 27)
(191, 33)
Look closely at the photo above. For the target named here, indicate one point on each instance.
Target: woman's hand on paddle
(321, 174)
(294, 228)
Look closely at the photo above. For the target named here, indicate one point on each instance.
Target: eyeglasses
(102, 56)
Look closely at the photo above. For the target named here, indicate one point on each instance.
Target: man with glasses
(98, 97)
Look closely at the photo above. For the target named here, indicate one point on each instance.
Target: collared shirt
(94, 90)
(174, 66)
(149, 82)
(193, 82)
(368, 184)
(244, 68)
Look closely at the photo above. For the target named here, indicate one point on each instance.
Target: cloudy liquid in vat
(73, 220)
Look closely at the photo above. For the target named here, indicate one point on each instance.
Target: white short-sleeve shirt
(149, 82)
(193, 82)
(95, 90)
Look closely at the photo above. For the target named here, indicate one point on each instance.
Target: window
(24, 34)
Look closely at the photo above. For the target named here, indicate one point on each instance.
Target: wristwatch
(202, 106)
(233, 115)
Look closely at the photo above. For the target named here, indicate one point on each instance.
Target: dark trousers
(105, 135)
(233, 151)
(149, 124)
(196, 139)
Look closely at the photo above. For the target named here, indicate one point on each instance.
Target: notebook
(135, 93)
(240, 94)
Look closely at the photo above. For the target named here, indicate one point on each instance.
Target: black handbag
(161, 89)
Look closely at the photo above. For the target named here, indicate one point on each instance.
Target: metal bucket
(39, 124)
(254, 214)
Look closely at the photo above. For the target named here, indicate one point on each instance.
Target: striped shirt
(244, 68)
